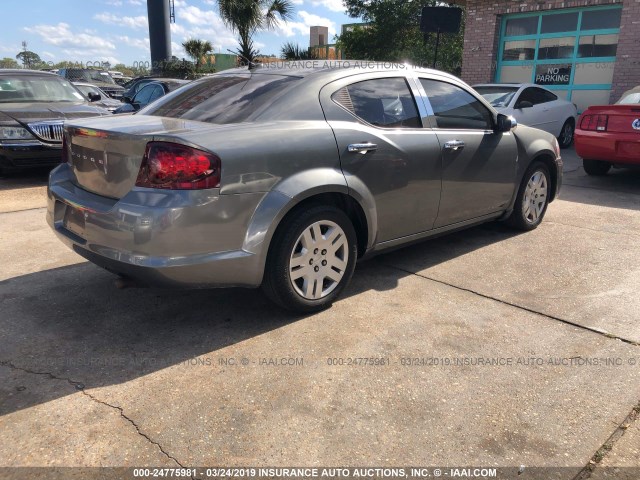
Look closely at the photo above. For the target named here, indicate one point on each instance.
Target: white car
(533, 106)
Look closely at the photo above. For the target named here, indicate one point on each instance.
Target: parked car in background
(533, 106)
(122, 81)
(610, 135)
(630, 97)
(134, 86)
(149, 93)
(33, 108)
(283, 176)
(99, 78)
(96, 96)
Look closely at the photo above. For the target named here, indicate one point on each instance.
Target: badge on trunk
(636, 124)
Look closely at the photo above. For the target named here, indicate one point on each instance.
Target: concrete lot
(95, 376)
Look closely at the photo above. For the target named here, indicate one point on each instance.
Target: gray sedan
(286, 174)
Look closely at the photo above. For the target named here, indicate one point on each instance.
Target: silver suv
(285, 175)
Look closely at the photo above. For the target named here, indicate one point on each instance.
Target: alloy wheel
(535, 197)
(567, 134)
(319, 260)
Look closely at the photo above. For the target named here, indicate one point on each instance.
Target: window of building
(566, 50)
(382, 102)
(455, 108)
(560, 22)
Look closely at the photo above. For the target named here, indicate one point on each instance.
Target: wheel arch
(548, 160)
(276, 207)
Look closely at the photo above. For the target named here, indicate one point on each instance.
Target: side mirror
(524, 104)
(126, 99)
(505, 123)
(93, 96)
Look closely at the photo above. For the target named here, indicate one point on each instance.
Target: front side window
(382, 102)
(454, 107)
(144, 94)
(157, 93)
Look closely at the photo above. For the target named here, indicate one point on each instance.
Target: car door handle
(454, 145)
(362, 147)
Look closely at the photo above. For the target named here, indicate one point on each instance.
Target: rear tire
(311, 259)
(596, 167)
(532, 199)
(566, 134)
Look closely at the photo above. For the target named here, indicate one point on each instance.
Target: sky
(116, 31)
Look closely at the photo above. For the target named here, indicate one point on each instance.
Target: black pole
(159, 32)
(435, 55)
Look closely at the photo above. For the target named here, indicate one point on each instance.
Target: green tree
(197, 49)
(392, 34)
(245, 17)
(7, 62)
(29, 59)
(293, 51)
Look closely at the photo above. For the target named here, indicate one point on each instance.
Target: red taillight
(178, 167)
(594, 122)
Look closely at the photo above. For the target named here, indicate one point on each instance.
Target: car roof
(25, 71)
(337, 68)
(513, 85)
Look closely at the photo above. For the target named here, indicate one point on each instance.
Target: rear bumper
(620, 148)
(32, 154)
(171, 238)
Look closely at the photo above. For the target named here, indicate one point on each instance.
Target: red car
(610, 134)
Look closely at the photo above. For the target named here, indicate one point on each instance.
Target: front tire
(596, 167)
(311, 259)
(566, 134)
(533, 198)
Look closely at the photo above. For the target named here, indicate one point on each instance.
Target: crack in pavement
(607, 446)
(80, 387)
(621, 428)
(515, 305)
(22, 210)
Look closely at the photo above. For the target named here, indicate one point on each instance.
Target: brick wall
(482, 32)
(626, 74)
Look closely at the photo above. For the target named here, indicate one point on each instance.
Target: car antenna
(250, 64)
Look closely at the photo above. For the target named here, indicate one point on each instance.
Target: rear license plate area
(74, 220)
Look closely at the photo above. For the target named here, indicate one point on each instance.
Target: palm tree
(245, 17)
(197, 49)
(293, 51)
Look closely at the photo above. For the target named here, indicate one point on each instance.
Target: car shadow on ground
(71, 322)
(33, 177)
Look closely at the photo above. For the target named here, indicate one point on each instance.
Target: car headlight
(15, 133)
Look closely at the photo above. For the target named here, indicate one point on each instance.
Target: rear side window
(221, 99)
(536, 96)
(454, 107)
(383, 102)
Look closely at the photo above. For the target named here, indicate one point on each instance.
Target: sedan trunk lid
(621, 118)
(105, 154)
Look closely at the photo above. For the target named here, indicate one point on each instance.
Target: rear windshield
(89, 76)
(497, 96)
(34, 88)
(630, 99)
(221, 99)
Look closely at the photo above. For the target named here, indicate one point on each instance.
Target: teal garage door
(569, 51)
